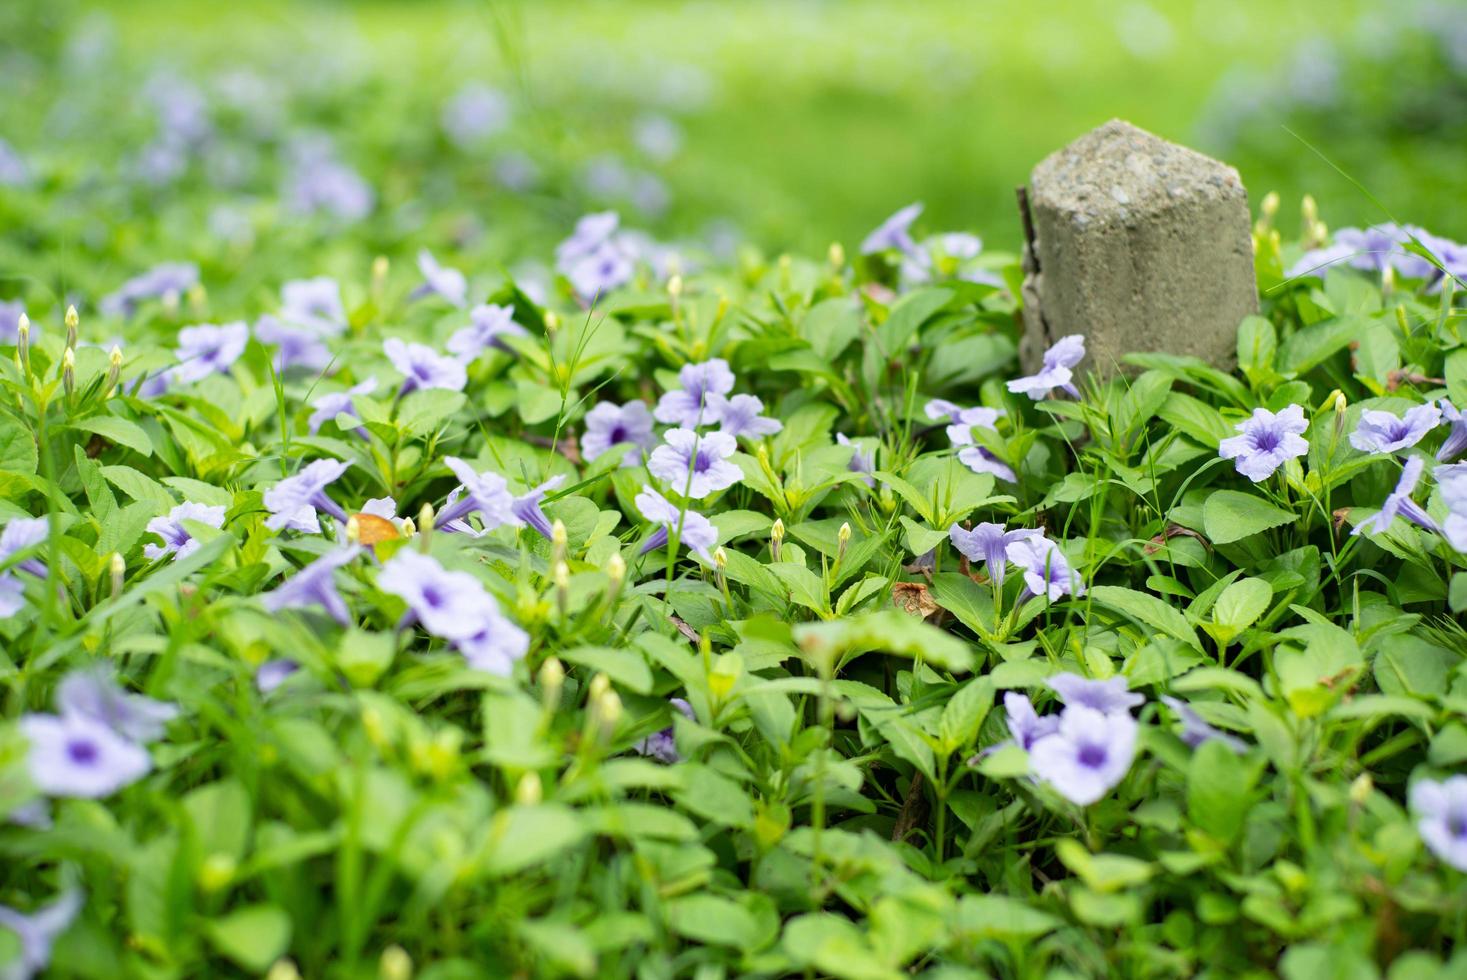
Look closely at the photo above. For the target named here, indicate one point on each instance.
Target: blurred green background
(786, 123)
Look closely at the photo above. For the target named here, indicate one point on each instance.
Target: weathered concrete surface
(1140, 245)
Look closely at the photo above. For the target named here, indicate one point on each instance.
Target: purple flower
(488, 325)
(423, 367)
(474, 113)
(1046, 572)
(610, 425)
(321, 184)
(1456, 442)
(657, 136)
(21, 533)
(272, 673)
(78, 756)
(206, 349)
(1385, 432)
(1399, 502)
(13, 169)
(1108, 696)
(696, 465)
(177, 541)
(10, 314)
(977, 458)
(689, 405)
(293, 501)
(496, 644)
(440, 280)
(315, 585)
(486, 492)
(161, 280)
(989, 543)
(450, 605)
(861, 461)
(95, 695)
(600, 272)
(894, 232)
(591, 233)
(1025, 725)
(1451, 480)
(330, 405)
(1195, 731)
(1268, 441)
(298, 345)
(741, 415)
(1319, 261)
(314, 302)
(37, 933)
(1441, 810)
(1088, 755)
(661, 745)
(1056, 372)
(526, 507)
(693, 529)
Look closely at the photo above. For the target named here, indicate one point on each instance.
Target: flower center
(1266, 441)
(701, 462)
(1092, 756)
(433, 597)
(1457, 825)
(82, 752)
(1399, 432)
(618, 434)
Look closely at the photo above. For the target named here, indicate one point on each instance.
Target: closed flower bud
(552, 322)
(1388, 280)
(558, 541)
(552, 679)
(837, 255)
(72, 322)
(720, 557)
(608, 712)
(409, 529)
(118, 569)
(1361, 789)
(353, 529)
(1309, 210)
(380, 267)
(529, 792)
(561, 572)
(843, 539)
(675, 286)
(616, 568)
(68, 370)
(425, 521)
(1401, 321)
(776, 539)
(283, 969)
(23, 343)
(1270, 205)
(395, 964)
(114, 370)
(375, 728)
(599, 685)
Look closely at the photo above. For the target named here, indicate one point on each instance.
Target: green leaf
(1317, 342)
(1257, 344)
(17, 447)
(970, 602)
(709, 918)
(522, 836)
(254, 937)
(909, 313)
(1219, 789)
(1229, 515)
(995, 916)
(144, 489)
(1239, 607)
(963, 714)
(830, 326)
(118, 430)
(1147, 610)
(625, 667)
(888, 631)
(424, 411)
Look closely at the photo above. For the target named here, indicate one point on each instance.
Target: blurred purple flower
(21, 533)
(315, 585)
(592, 231)
(1195, 731)
(94, 694)
(1268, 441)
(689, 405)
(861, 461)
(321, 184)
(894, 232)
(741, 416)
(657, 136)
(1025, 725)
(173, 278)
(1057, 371)
(1385, 432)
(314, 302)
(1088, 755)
(488, 324)
(473, 114)
(330, 405)
(496, 644)
(609, 425)
(78, 756)
(293, 501)
(661, 745)
(604, 270)
(694, 530)
(1046, 572)
(440, 280)
(296, 345)
(1441, 811)
(177, 541)
(13, 169)
(38, 933)
(979, 459)
(1399, 502)
(526, 507)
(1451, 481)
(423, 367)
(1455, 443)
(10, 314)
(989, 543)
(450, 605)
(487, 493)
(208, 349)
(1108, 696)
(695, 465)
(272, 673)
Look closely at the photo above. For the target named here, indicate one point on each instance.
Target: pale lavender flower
(689, 405)
(21, 533)
(177, 541)
(657, 136)
(1026, 725)
(742, 415)
(94, 694)
(693, 529)
(321, 184)
(861, 461)
(526, 507)
(1318, 261)
(440, 280)
(423, 367)
(314, 303)
(591, 232)
(272, 673)
(488, 325)
(979, 459)
(496, 644)
(1385, 432)
(12, 595)
(661, 745)
(1110, 695)
(296, 345)
(989, 543)
(1088, 755)
(473, 114)
(10, 314)
(1268, 441)
(78, 756)
(1451, 480)
(13, 169)
(1046, 572)
(38, 933)
(173, 278)
(1057, 371)
(208, 349)
(609, 425)
(1195, 731)
(315, 585)
(894, 232)
(293, 501)
(486, 492)
(36, 815)
(604, 270)
(695, 465)
(517, 172)
(383, 507)
(1441, 811)
(450, 605)
(1399, 502)
(1456, 442)
(330, 405)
